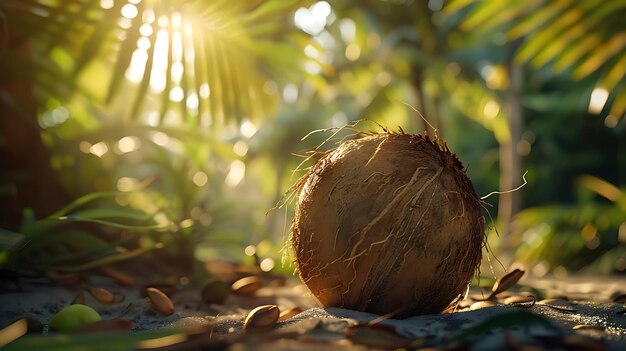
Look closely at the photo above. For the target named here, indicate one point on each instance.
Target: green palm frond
(582, 38)
(206, 61)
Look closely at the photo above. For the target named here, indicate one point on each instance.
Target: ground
(585, 313)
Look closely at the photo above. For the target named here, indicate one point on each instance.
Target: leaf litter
(288, 319)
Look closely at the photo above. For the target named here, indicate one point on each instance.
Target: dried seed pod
(120, 277)
(549, 300)
(261, 318)
(588, 327)
(524, 301)
(215, 292)
(558, 304)
(102, 295)
(160, 301)
(506, 282)
(289, 313)
(479, 297)
(247, 286)
(387, 223)
(466, 303)
(166, 288)
(482, 304)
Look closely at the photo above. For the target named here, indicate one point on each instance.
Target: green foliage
(206, 70)
(588, 233)
(58, 243)
(581, 38)
(152, 106)
(208, 61)
(92, 342)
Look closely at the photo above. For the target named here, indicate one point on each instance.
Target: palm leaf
(145, 80)
(124, 56)
(619, 104)
(615, 47)
(98, 38)
(580, 37)
(227, 45)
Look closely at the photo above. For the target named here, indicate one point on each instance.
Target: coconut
(388, 223)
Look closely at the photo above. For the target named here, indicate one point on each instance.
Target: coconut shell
(389, 224)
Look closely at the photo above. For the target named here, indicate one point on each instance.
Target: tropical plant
(174, 78)
(589, 234)
(210, 59)
(579, 38)
(57, 243)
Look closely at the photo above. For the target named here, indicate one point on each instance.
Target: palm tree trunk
(26, 175)
(510, 160)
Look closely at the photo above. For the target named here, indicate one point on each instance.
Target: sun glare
(248, 129)
(313, 20)
(240, 148)
(160, 138)
(107, 4)
(491, 109)
(99, 149)
(236, 174)
(159, 66)
(599, 96)
(128, 144)
(174, 40)
(200, 178)
(129, 11)
(174, 37)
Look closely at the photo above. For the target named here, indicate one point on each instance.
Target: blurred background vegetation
(167, 129)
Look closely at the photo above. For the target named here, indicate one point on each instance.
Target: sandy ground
(587, 313)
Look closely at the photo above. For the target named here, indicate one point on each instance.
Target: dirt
(583, 317)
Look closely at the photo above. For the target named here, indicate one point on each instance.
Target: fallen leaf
(506, 282)
(557, 304)
(588, 327)
(520, 301)
(481, 304)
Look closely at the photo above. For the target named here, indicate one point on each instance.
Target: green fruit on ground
(73, 317)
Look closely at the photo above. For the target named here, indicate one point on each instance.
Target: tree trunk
(510, 160)
(26, 176)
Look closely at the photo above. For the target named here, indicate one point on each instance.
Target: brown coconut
(389, 224)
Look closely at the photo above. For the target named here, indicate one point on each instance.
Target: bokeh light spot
(200, 178)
